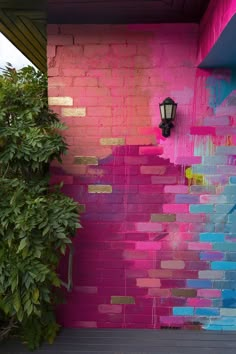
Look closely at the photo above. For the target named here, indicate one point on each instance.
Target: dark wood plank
(128, 341)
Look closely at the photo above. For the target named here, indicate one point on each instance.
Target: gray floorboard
(128, 341)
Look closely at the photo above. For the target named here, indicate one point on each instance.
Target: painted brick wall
(215, 19)
(157, 248)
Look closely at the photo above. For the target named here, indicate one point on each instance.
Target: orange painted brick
(105, 308)
(58, 39)
(99, 111)
(160, 273)
(124, 50)
(59, 81)
(111, 81)
(99, 73)
(73, 71)
(134, 255)
(142, 61)
(148, 283)
(92, 51)
(104, 131)
(172, 264)
(68, 56)
(148, 130)
(53, 72)
(140, 140)
(53, 91)
(51, 51)
(110, 101)
(85, 81)
(153, 170)
(119, 91)
(97, 91)
(159, 292)
(137, 100)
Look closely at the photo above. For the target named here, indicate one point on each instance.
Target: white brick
(60, 101)
(74, 112)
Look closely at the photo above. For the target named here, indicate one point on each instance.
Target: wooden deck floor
(126, 341)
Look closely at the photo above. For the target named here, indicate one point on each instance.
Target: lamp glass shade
(168, 109)
(162, 109)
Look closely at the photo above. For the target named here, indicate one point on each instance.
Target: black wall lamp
(168, 110)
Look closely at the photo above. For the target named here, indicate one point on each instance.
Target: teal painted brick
(203, 189)
(183, 311)
(201, 169)
(230, 189)
(231, 218)
(217, 303)
(222, 324)
(207, 311)
(224, 208)
(201, 208)
(230, 275)
(223, 265)
(199, 283)
(226, 150)
(215, 160)
(212, 237)
(229, 294)
(229, 170)
(232, 180)
(231, 257)
(231, 198)
(220, 327)
(224, 246)
(224, 284)
(223, 228)
(216, 218)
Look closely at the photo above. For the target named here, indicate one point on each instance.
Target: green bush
(36, 219)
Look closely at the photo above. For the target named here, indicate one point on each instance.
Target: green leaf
(22, 245)
(35, 295)
(16, 301)
(36, 219)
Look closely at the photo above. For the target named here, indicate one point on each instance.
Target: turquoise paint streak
(220, 89)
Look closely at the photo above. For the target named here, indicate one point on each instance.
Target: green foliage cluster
(36, 219)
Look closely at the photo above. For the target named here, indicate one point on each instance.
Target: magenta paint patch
(157, 245)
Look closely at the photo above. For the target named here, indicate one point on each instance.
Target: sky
(10, 54)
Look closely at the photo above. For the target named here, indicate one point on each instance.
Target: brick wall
(157, 248)
(216, 18)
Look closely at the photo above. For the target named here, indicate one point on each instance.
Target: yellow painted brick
(175, 264)
(60, 101)
(74, 112)
(86, 160)
(99, 188)
(112, 141)
(163, 217)
(122, 300)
